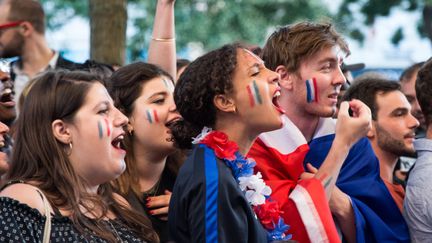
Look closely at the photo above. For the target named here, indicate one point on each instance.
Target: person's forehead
(391, 100)
(249, 56)
(4, 12)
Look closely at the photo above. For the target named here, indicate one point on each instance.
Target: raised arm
(348, 131)
(162, 49)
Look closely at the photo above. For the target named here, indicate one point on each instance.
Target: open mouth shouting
(275, 101)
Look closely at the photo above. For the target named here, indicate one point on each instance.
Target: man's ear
(61, 131)
(26, 28)
(286, 78)
(224, 103)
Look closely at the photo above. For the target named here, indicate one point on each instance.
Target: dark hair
(125, 86)
(207, 76)
(182, 63)
(102, 70)
(424, 90)
(28, 10)
(290, 45)
(410, 71)
(367, 90)
(39, 157)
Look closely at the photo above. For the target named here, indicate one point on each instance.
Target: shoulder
(121, 200)
(66, 64)
(25, 194)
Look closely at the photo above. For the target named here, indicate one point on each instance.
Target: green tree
(374, 8)
(210, 23)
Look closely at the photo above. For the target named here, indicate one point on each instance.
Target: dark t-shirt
(21, 223)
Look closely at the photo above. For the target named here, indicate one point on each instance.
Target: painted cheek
(311, 90)
(254, 94)
(152, 116)
(100, 129)
(108, 127)
(168, 85)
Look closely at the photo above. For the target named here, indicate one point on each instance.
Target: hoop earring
(70, 149)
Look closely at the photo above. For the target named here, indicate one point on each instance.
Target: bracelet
(163, 39)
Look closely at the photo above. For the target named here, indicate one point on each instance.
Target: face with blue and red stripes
(255, 93)
(154, 110)
(318, 82)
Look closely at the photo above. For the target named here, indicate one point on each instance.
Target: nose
(3, 129)
(415, 108)
(339, 77)
(273, 77)
(413, 122)
(120, 120)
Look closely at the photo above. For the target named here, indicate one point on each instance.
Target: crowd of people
(243, 144)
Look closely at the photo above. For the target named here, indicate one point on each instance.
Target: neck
(304, 121)
(149, 167)
(387, 162)
(239, 134)
(36, 56)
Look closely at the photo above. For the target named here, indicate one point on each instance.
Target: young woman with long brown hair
(66, 153)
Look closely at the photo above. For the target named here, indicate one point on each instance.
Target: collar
(423, 145)
(17, 66)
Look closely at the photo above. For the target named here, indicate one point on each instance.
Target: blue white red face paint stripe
(311, 90)
(168, 84)
(152, 116)
(254, 94)
(101, 128)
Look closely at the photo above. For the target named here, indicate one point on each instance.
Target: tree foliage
(372, 9)
(210, 23)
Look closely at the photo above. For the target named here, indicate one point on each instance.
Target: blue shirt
(418, 197)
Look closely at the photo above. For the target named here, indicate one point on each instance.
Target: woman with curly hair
(228, 90)
(66, 153)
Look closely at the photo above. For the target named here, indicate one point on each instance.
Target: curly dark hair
(424, 90)
(207, 76)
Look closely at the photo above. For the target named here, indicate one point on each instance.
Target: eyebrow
(107, 103)
(400, 109)
(328, 59)
(157, 93)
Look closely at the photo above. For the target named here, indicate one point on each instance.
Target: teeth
(277, 94)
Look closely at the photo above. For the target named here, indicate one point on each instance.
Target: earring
(235, 109)
(130, 132)
(69, 151)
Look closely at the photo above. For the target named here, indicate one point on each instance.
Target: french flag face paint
(152, 116)
(101, 128)
(168, 84)
(311, 90)
(254, 94)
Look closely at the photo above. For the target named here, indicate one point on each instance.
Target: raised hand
(351, 128)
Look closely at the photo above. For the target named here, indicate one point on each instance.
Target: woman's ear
(61, 131)
(224, 103)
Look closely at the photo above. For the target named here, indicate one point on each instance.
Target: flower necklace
(257, 193)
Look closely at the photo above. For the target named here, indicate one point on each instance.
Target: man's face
(318, 83)
(394, 128)
(7, 103)
(11, 41)
(408, 88)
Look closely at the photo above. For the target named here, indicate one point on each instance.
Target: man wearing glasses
(22, 35)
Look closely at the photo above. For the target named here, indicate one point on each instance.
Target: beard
(392, 145)
(13, 48)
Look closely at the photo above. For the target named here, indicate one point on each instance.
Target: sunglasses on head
(10, 25)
